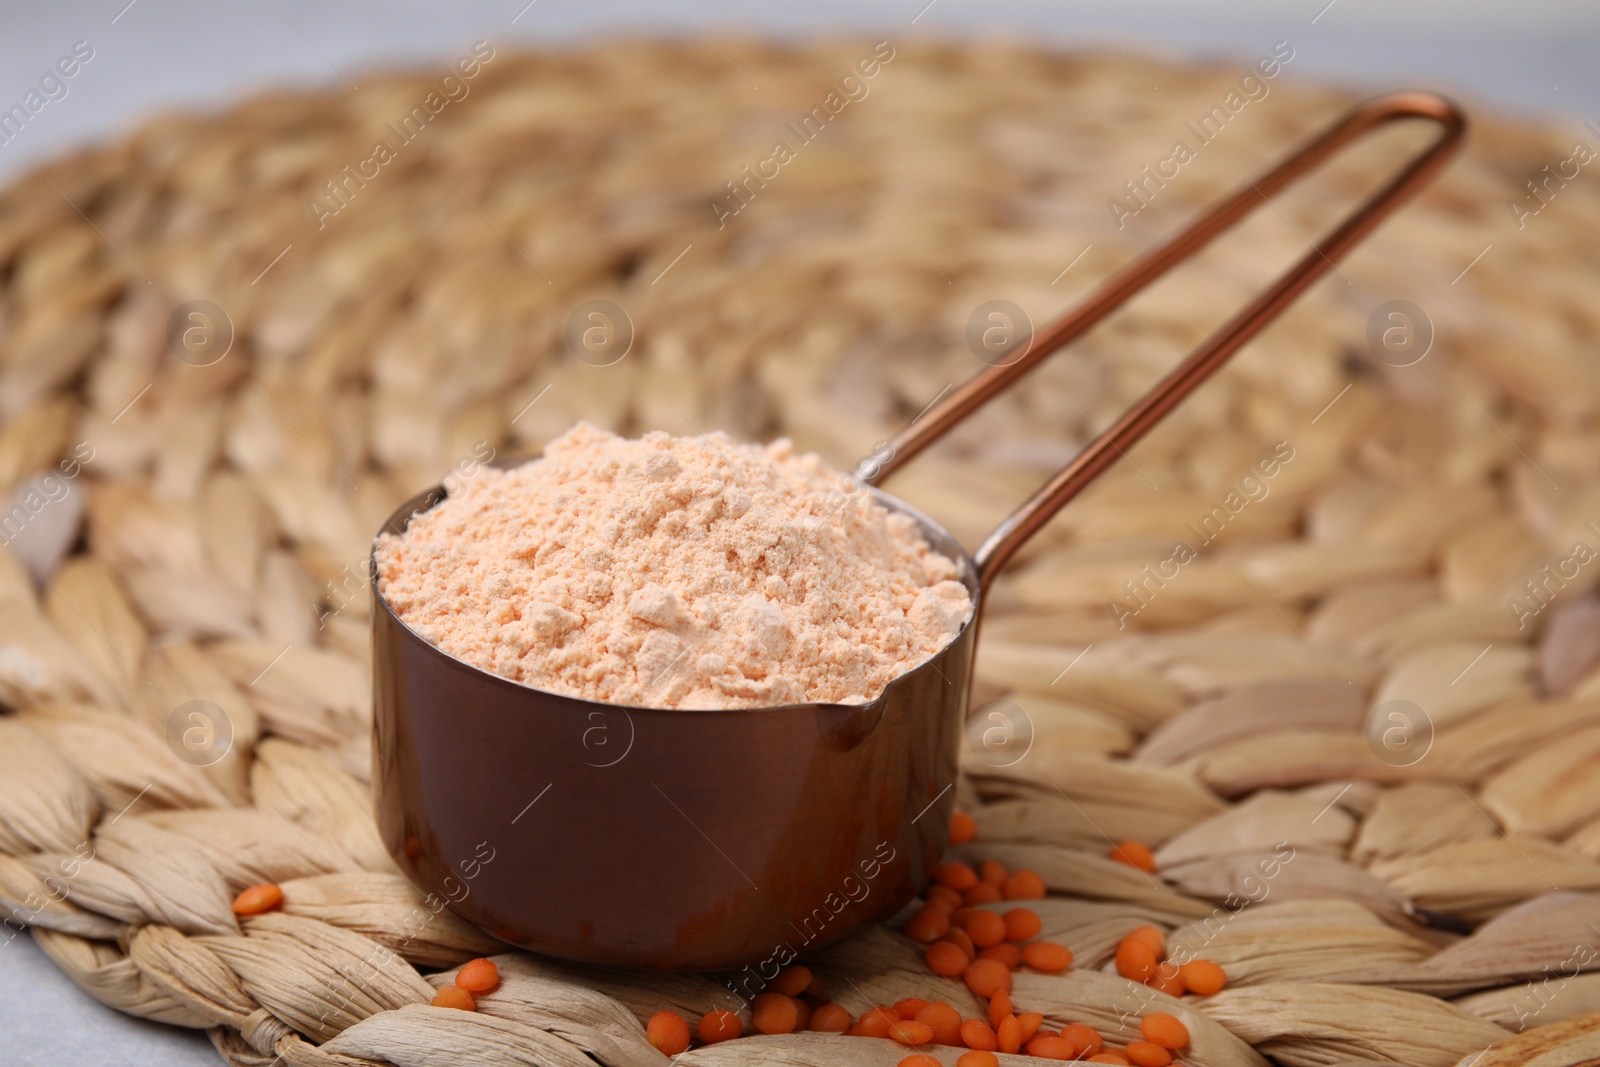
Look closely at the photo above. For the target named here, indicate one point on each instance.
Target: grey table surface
(1531, 56)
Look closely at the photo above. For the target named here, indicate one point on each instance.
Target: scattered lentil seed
(451, 996)
(668, 1032)
(258, 899)
(478, 976)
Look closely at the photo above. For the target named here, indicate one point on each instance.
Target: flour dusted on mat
(670, 572)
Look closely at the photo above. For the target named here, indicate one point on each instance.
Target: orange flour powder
(674, 572)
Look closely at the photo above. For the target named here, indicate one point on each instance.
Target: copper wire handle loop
(1021, 524)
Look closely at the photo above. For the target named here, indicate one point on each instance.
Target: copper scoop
(709, 839)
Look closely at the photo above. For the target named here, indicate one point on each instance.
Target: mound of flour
(674, 572)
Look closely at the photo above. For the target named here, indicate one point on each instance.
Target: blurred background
(1527, 55)
(151, 56)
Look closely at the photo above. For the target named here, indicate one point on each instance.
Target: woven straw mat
(1379, 660)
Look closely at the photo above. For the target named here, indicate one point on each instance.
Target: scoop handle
(1099, 454)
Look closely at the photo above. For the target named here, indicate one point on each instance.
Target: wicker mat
(1323, 641)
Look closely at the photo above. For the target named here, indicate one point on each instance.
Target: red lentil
(1007, 952)
(1135, 960)
(987, 977)
(1166, 980)
(955, 875)
(982, 893)
(910, 1032)
(668, 1032)
(999, 1007)
(978, 1034)
(830, 1019)
(774, 1013)
(1151, 936)
(1047, 956)
(927, 925)
(792, 981)
(454, 997)
(908, 1008)
(257, 899)
(1009, 1033)
(1051, 1047)
(985, 928)
(1023, 885)
(875, 1023)
(958, 937)
(1165, 1030)
(1134, 854)
(1022, 924)
(1086, 1040)
(1147, 1054)
(1202, 977)
(944, 1021)
(718, 1025)
(946, 958)
(478, 976)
